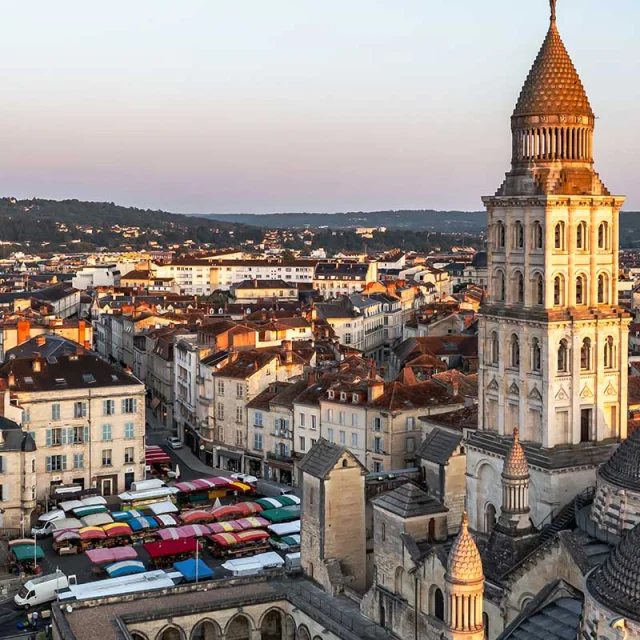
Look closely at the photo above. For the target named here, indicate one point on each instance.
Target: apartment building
(244, 376)
(255, 290)
(335, 279)
(85, 416)
(271, 431)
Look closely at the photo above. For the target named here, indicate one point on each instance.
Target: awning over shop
(232, 455)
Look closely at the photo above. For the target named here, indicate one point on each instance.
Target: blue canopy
(121, 516)
(125, 568)
(188, 569)
(137, 524)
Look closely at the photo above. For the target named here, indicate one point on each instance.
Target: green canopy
(292, 541)
(281, 515)
(24, 552)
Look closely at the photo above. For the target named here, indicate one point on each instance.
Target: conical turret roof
(553, 86)
(515, 462)
(616, 582)
(623, 468)
(465, 564)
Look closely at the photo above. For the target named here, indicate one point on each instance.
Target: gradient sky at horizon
(294, 105)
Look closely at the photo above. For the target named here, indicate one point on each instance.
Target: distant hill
(82, 226)
(427, 220)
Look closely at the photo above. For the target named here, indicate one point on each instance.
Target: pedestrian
(36, 615)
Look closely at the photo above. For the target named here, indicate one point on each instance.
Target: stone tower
(552, 338)
(464, 587)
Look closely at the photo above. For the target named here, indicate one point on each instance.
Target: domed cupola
(616, 583)
(616, 504)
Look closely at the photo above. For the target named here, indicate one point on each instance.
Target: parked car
(272, 489)
(174, 443)
(245, 477)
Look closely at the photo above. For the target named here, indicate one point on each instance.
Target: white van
(292, 561)
(272, 489)
(44, 525)
(42, 589)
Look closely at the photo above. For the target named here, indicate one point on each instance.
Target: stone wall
(615, 509)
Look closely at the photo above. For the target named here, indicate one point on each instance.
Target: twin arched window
(495, 348)
(518, 235)
(559, 238)
(609, 353)
(558, 291)
(500, 235)
(563, 357)
(536, 355)
(603, 289)
(538, 238)
(585, 355)
(519, 288)
(515, 351)
(603, 235)
(581, 236)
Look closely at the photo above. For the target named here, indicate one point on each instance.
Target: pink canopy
(170, 534)
(194, 531)
(116, 554)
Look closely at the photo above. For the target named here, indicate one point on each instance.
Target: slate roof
(623, 468)
(265, 284)
(409, 501)
(439, 446)
(14, 438)
(54, 346)
(554, 614)
(322, 458)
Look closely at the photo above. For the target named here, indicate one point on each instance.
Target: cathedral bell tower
(552, 338)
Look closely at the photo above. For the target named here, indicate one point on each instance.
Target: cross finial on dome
(553, 9)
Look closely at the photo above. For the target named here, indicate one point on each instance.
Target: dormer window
(355, 398)
(343, 396)
(331, 395)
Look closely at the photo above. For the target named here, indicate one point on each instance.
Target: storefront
(229, 460)
(253, 464)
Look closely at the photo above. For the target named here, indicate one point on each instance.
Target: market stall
(106, 556)
(193, 570)
(226, 512)
(67, 542)
(96, 520)
(25, 555)
(118, 534)
(125, 568)
(196, 516)
(243, 543)
(285, 514)
(165, 553)
(92, 537)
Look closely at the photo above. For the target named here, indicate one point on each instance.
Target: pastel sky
(294, 105)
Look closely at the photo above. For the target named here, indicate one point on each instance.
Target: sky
(259, 106)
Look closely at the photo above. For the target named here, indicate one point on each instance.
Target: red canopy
(226, 512)
(196, 516)
(248, 508)
(155, 455)
(171, 547)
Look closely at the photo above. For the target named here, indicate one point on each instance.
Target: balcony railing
(278, 457)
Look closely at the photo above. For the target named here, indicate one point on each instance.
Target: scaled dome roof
(515, 462)
(553, 86)
(616, 582)
(465, 563)
(623, 468)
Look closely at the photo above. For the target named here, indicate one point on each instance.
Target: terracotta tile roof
(398, 396)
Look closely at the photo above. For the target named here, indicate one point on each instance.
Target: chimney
(81, 332)
(12, 380)
(41, 340)
(375, 390)
(87, 345)
(233, 355)
(454, 387)
(24, 331)
(37, 365)
(288, 351)
(311, 378)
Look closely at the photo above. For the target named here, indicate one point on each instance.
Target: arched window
(603, 289)
(538, 239)
(436, 603)
(609, 353)
(515, 351)
(171, 633)
(536, 355)
(539, 289)
(489, 517)
(501, 292)
(603, 235)
(581, 235)
(500, 235)
(563, 357)
(558, 291)
(495, 348)
(519, 297)
(581, 290)
(206, 630)
(518, 235)
(559, 236)
(585, 354)
(398, 581)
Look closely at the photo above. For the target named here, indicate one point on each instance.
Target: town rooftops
(83, 371)
(45, 346)
(264, 284)
(398, 396)
(409, 501)
(244, 364)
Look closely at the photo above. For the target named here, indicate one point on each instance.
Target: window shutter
(135, 405)
(123, 406)
(70, 435)
(64, 436)
(2, 469)
(48, 438)
(86, 434)
(64, 463)
(48, 466)
(5, 492)
(105, 407)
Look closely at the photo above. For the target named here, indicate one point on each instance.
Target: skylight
(88, 378)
